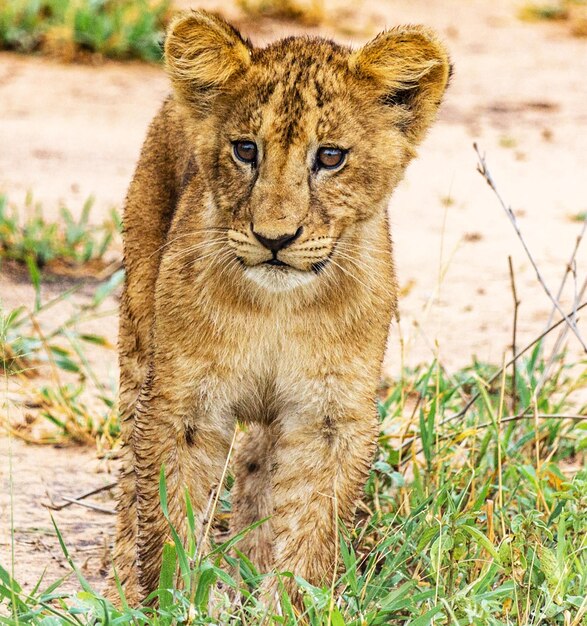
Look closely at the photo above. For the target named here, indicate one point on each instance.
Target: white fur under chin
(278, 280)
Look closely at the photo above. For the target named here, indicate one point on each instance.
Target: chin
(279, 279)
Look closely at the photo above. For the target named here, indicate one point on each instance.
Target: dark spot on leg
(252, 467)
(328, 429)
(190, 435)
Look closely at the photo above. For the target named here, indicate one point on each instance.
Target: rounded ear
(202, 53)
(410, 68)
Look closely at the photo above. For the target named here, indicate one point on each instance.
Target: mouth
(276, 263)
(316, 268)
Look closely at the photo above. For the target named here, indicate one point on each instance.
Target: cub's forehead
(303, 53)
(303, 66)
(298, 81)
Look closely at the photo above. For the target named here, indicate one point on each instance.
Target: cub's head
(304, 140)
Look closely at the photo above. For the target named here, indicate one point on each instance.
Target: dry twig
(90, 505)
(514, 333)
(76, 500)
(570, 268)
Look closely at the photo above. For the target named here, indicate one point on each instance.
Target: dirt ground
(519, 91)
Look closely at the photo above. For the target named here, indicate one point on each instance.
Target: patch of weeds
(309, 12)
(69, 247)
(544, 11)
(485, 511)
(75, 403)
(572, 12)
(77, 29)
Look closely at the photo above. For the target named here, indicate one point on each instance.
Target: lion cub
(260, 284)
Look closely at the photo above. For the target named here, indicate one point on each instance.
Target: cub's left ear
(408, 67)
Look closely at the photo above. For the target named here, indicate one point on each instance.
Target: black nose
(280, 242)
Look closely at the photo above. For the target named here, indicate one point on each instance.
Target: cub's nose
(278, 243)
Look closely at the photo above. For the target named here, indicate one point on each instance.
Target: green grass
(34, 341)
(78, 29)
(67, 247)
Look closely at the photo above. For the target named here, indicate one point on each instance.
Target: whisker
(319, 252)
(246, 243)
(230, 264)
(309, 257)
(359, 263)
(194, 248)
(361, 247)
(217, 257)
(214, 253)
(308, 245)
(244, 237)
(168, 243)
(346, 271)
(191, 249)
(365, 268)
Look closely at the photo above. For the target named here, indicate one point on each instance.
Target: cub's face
(304, 140)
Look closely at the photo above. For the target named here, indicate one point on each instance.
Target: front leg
(173, 430)
(321, 466)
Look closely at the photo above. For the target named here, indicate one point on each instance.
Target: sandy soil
(35, 479)
(519, 91)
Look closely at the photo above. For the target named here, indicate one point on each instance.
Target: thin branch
(568, 269)
(514, 334)
(90, 505)
(76, 499)
(484, 171)
(522, 415)
(542, 416)
(558, 344)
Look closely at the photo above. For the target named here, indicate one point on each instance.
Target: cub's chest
(266, 367)
(267, 349)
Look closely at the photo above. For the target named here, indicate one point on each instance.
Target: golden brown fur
(211, 334)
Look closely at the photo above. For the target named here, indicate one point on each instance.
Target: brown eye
(245, 151)
(330, 158)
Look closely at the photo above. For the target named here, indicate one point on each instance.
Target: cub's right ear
(407, 67)
(202, 54)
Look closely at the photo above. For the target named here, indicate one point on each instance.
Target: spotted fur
(210, 333)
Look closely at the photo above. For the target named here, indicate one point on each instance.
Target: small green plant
(581, 216)
(70, 247)
(74, 29)
(544, 11)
